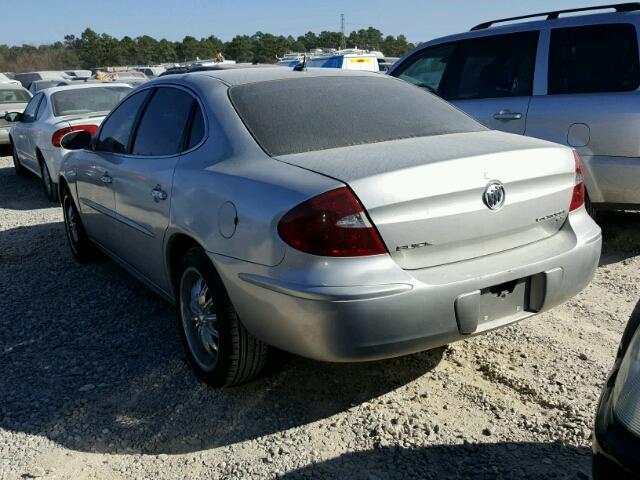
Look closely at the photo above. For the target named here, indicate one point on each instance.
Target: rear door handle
(158, 194)
(106, 178)
(507, 115)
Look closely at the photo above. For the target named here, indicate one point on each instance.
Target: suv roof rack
(620, 7)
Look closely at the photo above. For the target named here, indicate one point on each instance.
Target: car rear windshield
(308, 114)
(87, 100)
(14, 95)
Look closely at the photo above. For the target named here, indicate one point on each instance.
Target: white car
(51, 114)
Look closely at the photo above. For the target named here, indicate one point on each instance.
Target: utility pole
(342, 41)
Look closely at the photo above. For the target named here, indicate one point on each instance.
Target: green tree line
(93, 49)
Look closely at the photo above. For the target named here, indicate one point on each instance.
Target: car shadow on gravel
(21, 193)
(620, 235)
(477, 461)
(91, 359)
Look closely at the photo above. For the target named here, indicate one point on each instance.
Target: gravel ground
(94, 384)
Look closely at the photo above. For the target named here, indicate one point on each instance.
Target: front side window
(426, 69)
(492, 67)
(29, 114)
(80, 101)
(594, 59)
(116, 130)
(162, 127)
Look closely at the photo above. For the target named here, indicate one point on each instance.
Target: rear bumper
(369, 308)
(612, 180)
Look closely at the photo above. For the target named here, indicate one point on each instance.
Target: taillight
(58, 134)
(577, 199)
(332, 224)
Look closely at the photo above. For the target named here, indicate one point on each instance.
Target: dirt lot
(93, 381)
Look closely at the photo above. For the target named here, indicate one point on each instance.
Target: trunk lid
(425, 195)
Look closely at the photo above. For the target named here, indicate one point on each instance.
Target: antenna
(342, 42)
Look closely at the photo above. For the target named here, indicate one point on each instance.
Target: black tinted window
(594, 58)
(161, 130)
(492, 67)
(116, 130)
(317, 113)
(29, 114)
(426, 68)
(197, 127)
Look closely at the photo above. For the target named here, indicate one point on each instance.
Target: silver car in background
(572, 78)
(278, 207)
(52, 113)
(13, 98)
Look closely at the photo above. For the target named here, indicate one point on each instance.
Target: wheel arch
(178, 245)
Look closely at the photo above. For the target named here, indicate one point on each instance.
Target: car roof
(11, 86)
(241, 76)
(519, 26)
(78, 86)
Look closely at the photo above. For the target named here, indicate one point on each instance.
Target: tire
(20, 170)
(50, 187)
(219, 348)
(82, 249)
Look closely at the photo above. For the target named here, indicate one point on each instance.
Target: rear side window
(162, 127)
(594, 58)
(492, 67)
(29, 114)
(116, 130)
(197, 127)
(317, 113)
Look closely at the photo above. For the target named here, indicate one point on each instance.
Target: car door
(591, 103)
(489, 77)
(143, 180)
(22, 134)
(94, 173)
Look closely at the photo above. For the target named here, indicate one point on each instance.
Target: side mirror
(77, 140)
(13, 117)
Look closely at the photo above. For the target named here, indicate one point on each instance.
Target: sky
(44, 21)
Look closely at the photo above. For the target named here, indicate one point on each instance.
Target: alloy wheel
(199, 319)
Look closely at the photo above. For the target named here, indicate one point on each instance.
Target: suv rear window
(594, 58)
(308, 114)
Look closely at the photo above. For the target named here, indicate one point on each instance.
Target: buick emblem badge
(494, 195)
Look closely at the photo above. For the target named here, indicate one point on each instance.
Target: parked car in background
(174, 71)
(27, 78)
(569, 79)
(38, 85)
(78, 74)
(13, 98)
(152, 72)
(51, 113)
(6, 79)
(267, 223)
(616, 433)
(130, 77)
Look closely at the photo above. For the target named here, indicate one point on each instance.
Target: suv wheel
(219, 348)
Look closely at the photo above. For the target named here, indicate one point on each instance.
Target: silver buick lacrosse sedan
(342, 216)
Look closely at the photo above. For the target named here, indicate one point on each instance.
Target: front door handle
(158, 194)
(507, 115)
(106, 178)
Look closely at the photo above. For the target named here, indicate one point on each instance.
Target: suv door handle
(106, 178)
(158, 194)
(507, 115)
